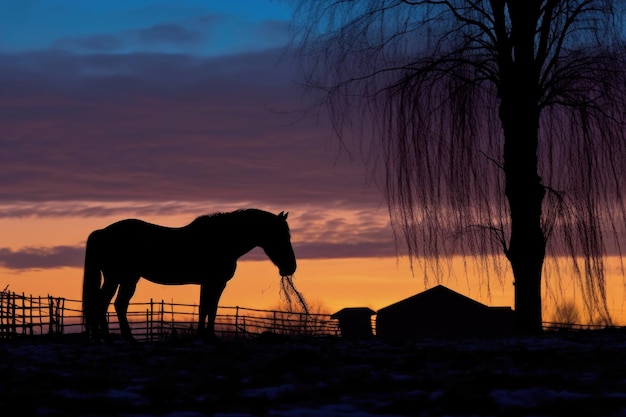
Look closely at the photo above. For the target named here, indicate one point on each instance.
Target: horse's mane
(217, 218)
(205, 218)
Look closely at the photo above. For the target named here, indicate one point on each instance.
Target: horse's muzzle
(287, 270)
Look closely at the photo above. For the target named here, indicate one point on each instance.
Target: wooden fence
(22, 315)
(30, 315)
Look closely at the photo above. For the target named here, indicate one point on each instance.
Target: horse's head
(277, 245)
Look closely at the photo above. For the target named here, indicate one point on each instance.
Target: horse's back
(134, 230)
(133, 239)
(158, 253)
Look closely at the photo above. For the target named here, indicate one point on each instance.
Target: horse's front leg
(210, 294)
(127, 290)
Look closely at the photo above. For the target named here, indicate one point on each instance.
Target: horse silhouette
(204, 252)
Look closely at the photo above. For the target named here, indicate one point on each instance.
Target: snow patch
(532, 397)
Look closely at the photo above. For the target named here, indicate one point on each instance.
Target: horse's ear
(283, 215)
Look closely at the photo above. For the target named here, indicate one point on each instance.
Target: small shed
(355, 322)
(441, 312)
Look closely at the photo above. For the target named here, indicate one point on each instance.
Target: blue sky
(189, 26)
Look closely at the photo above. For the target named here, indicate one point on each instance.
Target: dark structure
(441, 312)
(355, 322)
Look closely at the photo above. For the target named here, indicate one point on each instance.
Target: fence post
(61, 315)
(161, 320)
(236, 322)
(60, 305)
(1, 314)
(50, 315)
(151, 321)
(23, 313)
(172, 316)
(14, 313)
(274, 328)
(38, 312)
(6, 305)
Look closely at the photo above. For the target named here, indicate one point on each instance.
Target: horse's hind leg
(126, 292)
(106, 295)
(210, 294)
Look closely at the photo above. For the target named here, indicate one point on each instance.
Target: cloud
(168, 33)
(30, 258)
(316, 234)
(157, 127)
(149, 39)
(277, 30)
(99, 209)
(42, 257)
(93, 43)
(206, 35)
(142, 135)
(168, 112)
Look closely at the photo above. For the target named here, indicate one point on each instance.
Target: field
(558, 374)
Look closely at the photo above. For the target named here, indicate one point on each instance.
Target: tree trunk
(525, 193)
(519, 115)
(526, 250)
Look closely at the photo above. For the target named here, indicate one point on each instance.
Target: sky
(167, 110)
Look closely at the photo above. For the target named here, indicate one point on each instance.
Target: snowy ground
(581, 373)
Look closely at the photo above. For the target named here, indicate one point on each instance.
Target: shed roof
(438, 294)
(353, 311)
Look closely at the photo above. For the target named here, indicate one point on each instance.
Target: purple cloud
(168, 33)
(94, 43)
(42, 258)
(316, 234)
(162, 127)
(73, 256)
(162, 35)
(156, 134)
(168, 113)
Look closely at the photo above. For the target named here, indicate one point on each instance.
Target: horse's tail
(91, 282)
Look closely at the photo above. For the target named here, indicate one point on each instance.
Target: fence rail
(22, 314)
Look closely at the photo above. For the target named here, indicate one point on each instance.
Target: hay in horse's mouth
(290, 293)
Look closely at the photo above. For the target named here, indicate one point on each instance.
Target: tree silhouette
(499, 125)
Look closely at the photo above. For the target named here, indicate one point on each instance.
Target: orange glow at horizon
(330, 284)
